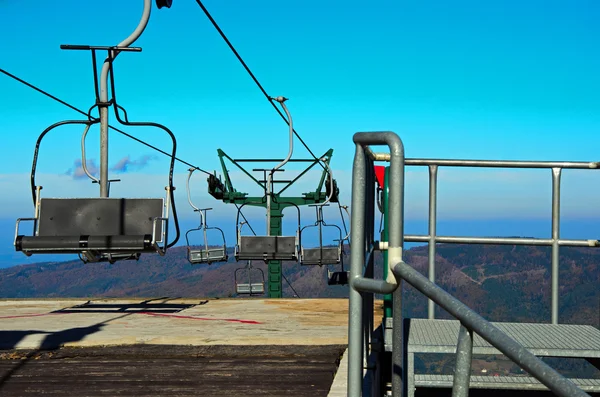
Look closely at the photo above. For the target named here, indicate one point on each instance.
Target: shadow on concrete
(9, 340)
(53, 341)
(146, 306)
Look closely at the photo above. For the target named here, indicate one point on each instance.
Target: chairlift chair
(266, 248)
(204, 254)
(102, 228)
(253, 285)
(321, 255)
(337, 278)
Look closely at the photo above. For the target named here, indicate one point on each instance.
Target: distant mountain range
(502, 283)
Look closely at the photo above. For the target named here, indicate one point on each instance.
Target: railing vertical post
(396, 239)
(462, 368)
(556, 172)
(357, 259)
(432, 232)
(368, 299)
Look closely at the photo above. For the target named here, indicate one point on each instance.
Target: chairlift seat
(337, 278)
(250, 289)
(208, 256)
(321, 256)
(95, 225)
(267, 248)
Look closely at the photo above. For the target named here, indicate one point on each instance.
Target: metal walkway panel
(501, 382)
(556, 340)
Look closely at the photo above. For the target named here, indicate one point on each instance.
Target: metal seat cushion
(254, 288)
(210, 255)
(267, 247)
(321, 256)
(105, 224)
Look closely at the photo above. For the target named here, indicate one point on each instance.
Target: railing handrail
(503, 163)
(500, 340)
(363, 285)
(555, 242)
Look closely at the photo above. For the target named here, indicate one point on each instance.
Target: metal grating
(557, 340)
(502, 382)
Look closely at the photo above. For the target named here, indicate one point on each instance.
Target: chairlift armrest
(165, 234)
(17, 227)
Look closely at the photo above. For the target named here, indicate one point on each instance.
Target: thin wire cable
(290, 284)
(113, 128)
(245, 220)
(252, 75)
(85, 114)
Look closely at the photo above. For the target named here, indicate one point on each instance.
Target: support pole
(104, 184)
(432, 232)
(555, 237)
(462, 368)
(274, 267)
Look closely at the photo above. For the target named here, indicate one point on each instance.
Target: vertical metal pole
(396, 239)
(432, 232)
(556, 172)
(368, 299)
(357, 259)
(104, 184)
(103, 151)
(320, 220)
(462, 368)
(387, 298)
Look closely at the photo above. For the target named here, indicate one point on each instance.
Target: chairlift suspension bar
(269, 185)
(104, 96)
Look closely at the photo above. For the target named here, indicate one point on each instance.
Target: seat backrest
(98, 216)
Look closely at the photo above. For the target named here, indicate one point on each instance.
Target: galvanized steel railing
(363, 285)
(555, 241)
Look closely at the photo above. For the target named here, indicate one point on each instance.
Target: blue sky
(463, 79)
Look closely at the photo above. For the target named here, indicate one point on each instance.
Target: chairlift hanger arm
(37, 149)
(170, 187)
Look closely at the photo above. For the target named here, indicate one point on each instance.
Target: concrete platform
(172, 347)
(161, 370)
(47, 324)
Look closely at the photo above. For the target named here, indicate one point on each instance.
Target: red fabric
(380, 174)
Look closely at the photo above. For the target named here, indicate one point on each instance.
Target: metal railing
(363, 285)
(555, 241)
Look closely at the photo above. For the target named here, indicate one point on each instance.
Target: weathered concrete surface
(47, 324)
(161, 370)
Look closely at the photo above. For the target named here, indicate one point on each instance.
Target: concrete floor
(34, 324)
(79, 347)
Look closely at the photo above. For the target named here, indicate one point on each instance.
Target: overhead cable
(253, 76)
(85, 114)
